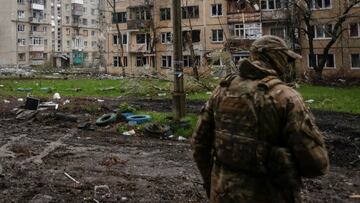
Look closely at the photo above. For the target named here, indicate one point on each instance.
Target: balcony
(37, 48)
(139, 24)
(37, 20)
(274, 15)
(236, 44)
(134, 4)
(139, 48)
(37, 33)
(77, 2)
(77, 10)
(243, 17)
(38, 7)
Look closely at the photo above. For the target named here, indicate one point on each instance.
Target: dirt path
(35, 155)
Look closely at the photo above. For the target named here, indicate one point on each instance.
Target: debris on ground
(31, 103)
(161, 94)
(71, 178)
(181, 138)
(106, 89)
(22, 89)
(309, 101)
(74, 89)
(106, 119)
(66, 102)
(20, 99)
(157, 130)
(129, 133)
(56, 96)
(102, 191)
(138, 119)
(6, 101)
(48, 105)
(100, 100)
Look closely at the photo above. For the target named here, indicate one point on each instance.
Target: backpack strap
(268, 83)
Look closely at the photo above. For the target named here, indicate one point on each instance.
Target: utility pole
(178, 94)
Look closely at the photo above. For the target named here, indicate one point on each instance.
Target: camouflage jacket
(255, 139)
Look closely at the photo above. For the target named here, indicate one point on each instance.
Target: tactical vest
(240, 143)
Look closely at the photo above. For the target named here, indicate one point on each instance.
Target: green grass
(163, 118)
(332, 98)
(326, 98)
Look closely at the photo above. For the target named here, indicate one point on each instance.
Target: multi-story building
(343, 60)
(25, 32)
(232, 25)
(76, 36)
(146, 29)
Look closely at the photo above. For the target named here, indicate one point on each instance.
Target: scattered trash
(106, 119)
(56, 96)
(181, 138)
(86, 126)
(129, 133)
(107, 89)
(162, 94)
(342, 81)
(124, 199)
(2, 86)
(100, 100)
(21, 89)
(6, 101)
(20, 100)
(138, 119)
(46, 89)
(126, 114)
(71, 178)
(31, 103)
(66, 102)
(49, 105)
(208, 93)
(102, 191)
(310, 101)
(354, 196)
(157, 130)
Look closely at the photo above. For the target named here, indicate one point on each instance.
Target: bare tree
(120, 46)
(335, 29)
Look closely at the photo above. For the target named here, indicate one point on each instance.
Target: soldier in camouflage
(255, 138)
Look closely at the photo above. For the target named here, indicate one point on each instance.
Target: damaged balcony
(140, 17)
(77, 9)
(242, 12)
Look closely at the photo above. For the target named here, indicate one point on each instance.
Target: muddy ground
(36, 153)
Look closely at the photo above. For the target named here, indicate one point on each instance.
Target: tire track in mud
(50, 148)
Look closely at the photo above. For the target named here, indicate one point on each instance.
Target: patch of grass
(332, 98)
(163, 118)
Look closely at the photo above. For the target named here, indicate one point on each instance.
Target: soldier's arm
(202, 142)
(304, 138)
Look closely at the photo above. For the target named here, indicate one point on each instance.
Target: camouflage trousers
(233, 186)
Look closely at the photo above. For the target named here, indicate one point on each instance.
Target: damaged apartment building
(57, 33)
(145, 26)
(208, 26)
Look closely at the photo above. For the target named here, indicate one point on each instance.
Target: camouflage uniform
(255, 138)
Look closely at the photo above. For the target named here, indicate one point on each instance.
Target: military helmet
(273, 43)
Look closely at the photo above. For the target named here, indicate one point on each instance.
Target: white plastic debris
(162, 94)
(20, 99)
(100, 100)
(6, 101)
(66, 102)
(309, 101)
(181, 138)
(124, 199)
(56, 96)
(1, 85)
(208, 93)
(71, 178)
(128, 133)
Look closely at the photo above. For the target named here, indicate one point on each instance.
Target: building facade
(231, 25)
(25, 32)
(50, 32)
(76, 36)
